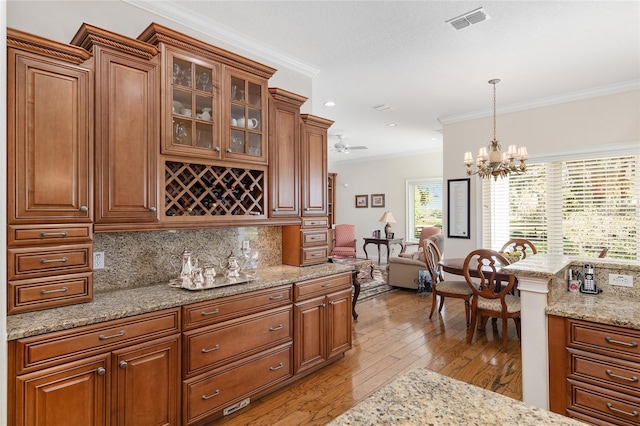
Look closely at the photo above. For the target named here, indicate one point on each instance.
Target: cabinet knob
(275, 210)
(84, 209)
(229, 150)
(101, 371)
(153, 209)
(123, 364)
(216, 149)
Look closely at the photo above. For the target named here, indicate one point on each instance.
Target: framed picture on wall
(362, 201)
(377, 200)
(458, 211)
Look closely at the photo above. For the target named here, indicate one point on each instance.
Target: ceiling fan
(344, 148)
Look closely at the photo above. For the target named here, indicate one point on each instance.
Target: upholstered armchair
(403, 270)
(344, 241)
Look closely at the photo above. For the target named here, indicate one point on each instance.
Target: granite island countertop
(423, 397)
(128, 302)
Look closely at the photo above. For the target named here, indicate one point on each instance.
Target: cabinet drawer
(214, 311)
(48, 234)
(608, 405)
(45, 293)
(204, 396)
(320, 286)
(315, 237)
(33, 262)
(600, 370)
(237, 338)
(311, 256)
(315, 223)
(64, 346)
(605, 339)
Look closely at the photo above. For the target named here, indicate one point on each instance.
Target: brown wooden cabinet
(284, 153)
(127, 132)
(123, 372)
(322, 315)
(49, 176)
(331, 198)
(593, 371)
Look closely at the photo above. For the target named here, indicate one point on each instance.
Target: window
(424, 206)
(571, 207)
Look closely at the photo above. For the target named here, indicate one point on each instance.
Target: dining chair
(490, 297)
(344, 241)
(520, 245)
(441, 287)
(603, 253)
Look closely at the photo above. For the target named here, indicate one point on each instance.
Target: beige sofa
(403, 271)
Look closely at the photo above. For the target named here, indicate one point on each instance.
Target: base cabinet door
(339, 323)
(310, 334)
(146, 383)
(74, 394)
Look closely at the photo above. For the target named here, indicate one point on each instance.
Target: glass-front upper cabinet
(247, 117)
(192, 95)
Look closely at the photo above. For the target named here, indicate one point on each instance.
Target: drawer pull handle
(277, 368)
(610, 406)
(327, 285)
(280, 327)
(60, 290)
(103, 337)
(206, 351)
(278, 297)
(53, 234)
(216, 393)
(610, 373)
(101, 371)
(62, 259)
(205, 313)
(617, 342)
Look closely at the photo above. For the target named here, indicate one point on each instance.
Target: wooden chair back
(520, 245)
(486, 265)
(432, 253)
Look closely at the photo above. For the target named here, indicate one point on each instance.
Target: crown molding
(172, 11)
(626, 86)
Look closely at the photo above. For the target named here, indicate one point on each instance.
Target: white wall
(385, 176)
(605, 121)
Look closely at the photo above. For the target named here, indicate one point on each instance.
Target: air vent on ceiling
(383, 107)
(469, 18)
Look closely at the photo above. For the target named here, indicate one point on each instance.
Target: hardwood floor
(393, 333)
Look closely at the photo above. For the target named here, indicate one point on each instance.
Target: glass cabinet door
(247, 115)
(194, 111)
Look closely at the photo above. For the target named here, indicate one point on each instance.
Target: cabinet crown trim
(33, 43)
(286, 96)
(88, 36)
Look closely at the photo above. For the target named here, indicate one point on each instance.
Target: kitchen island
(423, 397)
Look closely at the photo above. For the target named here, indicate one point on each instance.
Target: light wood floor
(393, 333)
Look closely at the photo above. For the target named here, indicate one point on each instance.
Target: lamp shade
(387, 217)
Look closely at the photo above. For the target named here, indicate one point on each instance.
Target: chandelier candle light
(496, 163)
(387, 217)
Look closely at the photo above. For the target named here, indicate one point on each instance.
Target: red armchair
(344, 241)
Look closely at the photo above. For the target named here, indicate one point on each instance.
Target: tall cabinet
(49, 174)
(127, 136)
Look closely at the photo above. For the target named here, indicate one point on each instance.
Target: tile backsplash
(138, 259)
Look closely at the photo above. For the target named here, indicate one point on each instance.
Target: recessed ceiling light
(329, 104)
(392, 124)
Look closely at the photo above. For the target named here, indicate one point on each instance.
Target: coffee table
(358, 265)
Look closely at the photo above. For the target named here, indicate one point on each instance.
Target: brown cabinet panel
(310, 334)
(339, 323)
(231, 340)
(71, 394)
(33, 262)
(48, 292)
(146, 383)
(49, 140)
(321, 286)
(23, 235)
(314, 165)
(205, 396)
(616, 408)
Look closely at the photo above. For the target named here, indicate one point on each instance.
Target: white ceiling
(402, 53)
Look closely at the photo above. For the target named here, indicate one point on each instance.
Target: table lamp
(387, 217)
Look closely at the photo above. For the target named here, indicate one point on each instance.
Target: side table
(384, 242)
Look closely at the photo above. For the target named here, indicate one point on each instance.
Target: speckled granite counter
(602, 308)
(134, 301)
(422, 397)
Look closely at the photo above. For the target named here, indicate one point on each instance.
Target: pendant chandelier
(495, 163)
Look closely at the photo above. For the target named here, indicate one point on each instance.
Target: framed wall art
(362, 201)
(458, 211)
(377, 200)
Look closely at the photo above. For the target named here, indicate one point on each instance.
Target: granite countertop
(124, 303)
(602, 308)
(423, 397)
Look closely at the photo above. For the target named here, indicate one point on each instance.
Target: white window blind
(575, 207)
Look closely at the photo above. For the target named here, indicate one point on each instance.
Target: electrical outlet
(246, 246)
(98, 260)
(621, 280)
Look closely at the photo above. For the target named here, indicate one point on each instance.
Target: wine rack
(205, 190)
